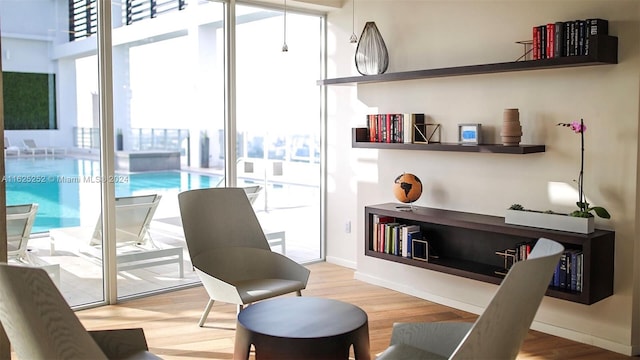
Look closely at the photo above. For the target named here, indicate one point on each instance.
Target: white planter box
(550, 221)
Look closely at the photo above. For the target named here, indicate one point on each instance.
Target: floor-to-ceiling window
(279, 122)
(168, 103)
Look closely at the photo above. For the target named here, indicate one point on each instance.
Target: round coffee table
(302, 328)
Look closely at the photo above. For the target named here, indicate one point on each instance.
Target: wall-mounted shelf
(466, 245)
(604, 51)
(360, 140)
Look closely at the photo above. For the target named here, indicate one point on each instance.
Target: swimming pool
(65, 187)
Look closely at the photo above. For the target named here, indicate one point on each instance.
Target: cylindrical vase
(511, 133)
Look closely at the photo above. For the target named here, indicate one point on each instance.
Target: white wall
(433, 34)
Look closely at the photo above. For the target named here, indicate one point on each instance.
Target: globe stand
(405, 207)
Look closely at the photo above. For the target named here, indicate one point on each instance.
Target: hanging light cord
(354, 38)
(285, 48)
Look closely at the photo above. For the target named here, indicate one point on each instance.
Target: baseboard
(538, 326)
(342, 262)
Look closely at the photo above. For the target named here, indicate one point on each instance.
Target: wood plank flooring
(170, 320)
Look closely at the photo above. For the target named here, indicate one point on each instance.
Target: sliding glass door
(159, 131)
(279, 123)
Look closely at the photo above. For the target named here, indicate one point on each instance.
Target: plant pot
(550, 221)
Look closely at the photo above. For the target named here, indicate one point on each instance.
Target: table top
(302, 317)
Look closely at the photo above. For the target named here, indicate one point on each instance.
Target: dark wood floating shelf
(604, 51)
(360, 136)
(466, 244)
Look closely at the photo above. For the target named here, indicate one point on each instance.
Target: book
(551, 35)
(562, 280)
(581, 37)
(594, 27)
(573, 270)
(536, 43)
(566, 36)
(406, 238)
(410, 237)
(542, 30)
(579, 266)
(378, 231)
(558, 39)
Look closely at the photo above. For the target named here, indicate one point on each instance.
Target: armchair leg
(299, 293)
(205, 313)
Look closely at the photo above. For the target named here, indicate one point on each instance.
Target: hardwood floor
(170, 320)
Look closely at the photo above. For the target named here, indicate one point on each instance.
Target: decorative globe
(407, 188)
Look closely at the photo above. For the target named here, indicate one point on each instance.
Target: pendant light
(285, 48)
(353, 38)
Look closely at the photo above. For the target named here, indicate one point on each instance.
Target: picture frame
(470, 134)
(420, 250)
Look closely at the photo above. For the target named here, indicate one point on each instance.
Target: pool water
(64, 188)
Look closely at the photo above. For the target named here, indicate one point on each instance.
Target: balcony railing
(140, 139)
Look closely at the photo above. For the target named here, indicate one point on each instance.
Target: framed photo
(469, 134)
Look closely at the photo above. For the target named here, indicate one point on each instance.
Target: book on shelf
(568, 274)
(377, 230)
(393, 127)
(566, 38)
(408, 232)
(594, 27)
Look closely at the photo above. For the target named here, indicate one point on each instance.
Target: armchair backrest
(499, 332)
(38, 321)
(219, 217)
(20, 219)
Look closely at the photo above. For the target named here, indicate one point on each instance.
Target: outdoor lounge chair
(40, 324)
(20, 220)
(10, 149)
(135, 248)
(499, 332)
(30, 147)
(230, 252)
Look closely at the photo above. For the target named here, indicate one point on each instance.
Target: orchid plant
(584, 208)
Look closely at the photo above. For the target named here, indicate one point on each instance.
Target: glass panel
(168, 94)
(278, 123)
(49, 162)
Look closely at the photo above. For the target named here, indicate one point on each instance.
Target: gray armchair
(499, 332)
(230, 252)
(40, 324)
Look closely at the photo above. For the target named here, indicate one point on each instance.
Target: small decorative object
(584, 209)
(511, 129)
(527, 51)
(549, 220)
(426, 133)
(580, 221)
(371, 57)
(353, 38)
(407, 188)
(420, 249)
(469, 134)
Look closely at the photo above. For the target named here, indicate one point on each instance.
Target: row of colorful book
(566, 38)
(566, 276)
(394, 128)
(394, 238)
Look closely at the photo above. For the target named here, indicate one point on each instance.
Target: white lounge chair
(30, 147)
(135, 248)
(20, 219)
(10, 149)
